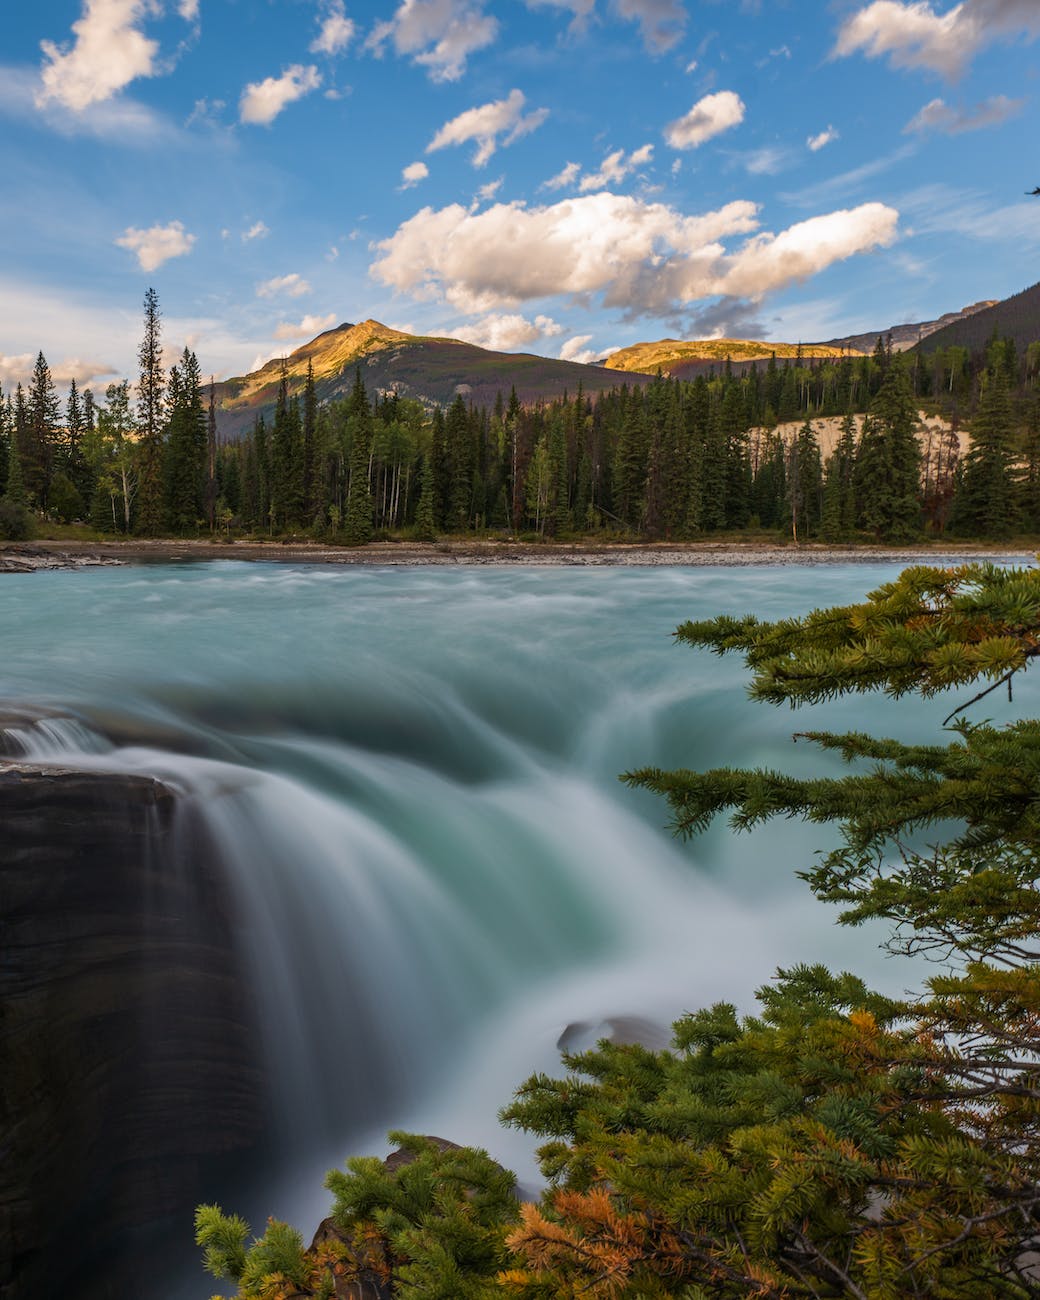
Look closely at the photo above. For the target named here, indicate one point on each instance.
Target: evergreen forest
(669, 460)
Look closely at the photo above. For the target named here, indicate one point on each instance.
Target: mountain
(432, 370)
(904, 337)
(685, 359)
(1017, 317)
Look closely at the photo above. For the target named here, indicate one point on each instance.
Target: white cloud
(767, 161)
(157, 244)
(18, 370)
(258, 230)
(413, 174)
(661, 22)
(940, 116)
(709, 117)
(337, 31)
(307, 328)
(824, 138)
(563, 178)
(108, 53)
(292, 285)
(438, 34)
(913, 35)
(502, 332)
(488, 191)
(639, 256)
(486, 123)
(615, 167)
(188, 10)
(262, 101)
(575, 350)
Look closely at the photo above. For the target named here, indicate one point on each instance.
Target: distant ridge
(904, 337)
(676, 357)
(1017, 317)
(425, 367)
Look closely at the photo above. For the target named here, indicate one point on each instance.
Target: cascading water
(409, 777)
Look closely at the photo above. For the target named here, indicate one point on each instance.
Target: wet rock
(130, 1080)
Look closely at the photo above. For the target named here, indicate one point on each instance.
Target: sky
(564, 177)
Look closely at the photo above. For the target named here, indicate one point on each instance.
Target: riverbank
(20, 558)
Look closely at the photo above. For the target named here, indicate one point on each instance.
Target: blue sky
(556, 176)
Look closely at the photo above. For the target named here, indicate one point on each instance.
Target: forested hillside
(428, 369)
(666, 459)
(1016, 318)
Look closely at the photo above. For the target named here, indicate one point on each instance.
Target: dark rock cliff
(129, 1082)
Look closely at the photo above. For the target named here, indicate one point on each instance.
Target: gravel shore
(23, 558)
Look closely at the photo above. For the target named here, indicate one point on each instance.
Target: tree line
(672, 459)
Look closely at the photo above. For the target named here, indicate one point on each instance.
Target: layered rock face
(130, 1078)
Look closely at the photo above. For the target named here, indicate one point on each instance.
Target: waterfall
(408, 779)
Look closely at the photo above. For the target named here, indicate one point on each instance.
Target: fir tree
(888, 463)
(151, 386)
(184, 461)
(984, 504)
(357, 524)
(39, 440)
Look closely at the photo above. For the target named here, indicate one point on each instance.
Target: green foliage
(16, 521)
(838, 1143)
(223, 1241)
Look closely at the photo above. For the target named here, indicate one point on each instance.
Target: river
(411, 778)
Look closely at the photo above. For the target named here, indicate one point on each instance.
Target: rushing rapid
(410, 779)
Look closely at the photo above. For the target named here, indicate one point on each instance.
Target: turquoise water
(411, 778)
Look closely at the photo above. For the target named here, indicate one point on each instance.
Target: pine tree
(185, 455)
(39, 441)
(151, 387)
(357, 524)
(984, 504)
(425, 525)
(888, 463)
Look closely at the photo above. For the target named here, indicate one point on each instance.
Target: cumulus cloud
(575, 350)
(307, 328)
(940, 116)
(258, 230)
(336, 33)
(157, 244)
(262, 101)
(913, 35)
(486, 123)
(502, 332)
(709, 117)
(413, 174)
(437, 34)
(824, 138)
(292, 285)
(646, 258)
(615, 167)
(109, 51)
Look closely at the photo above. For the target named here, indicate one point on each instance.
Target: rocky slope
(432, 370)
